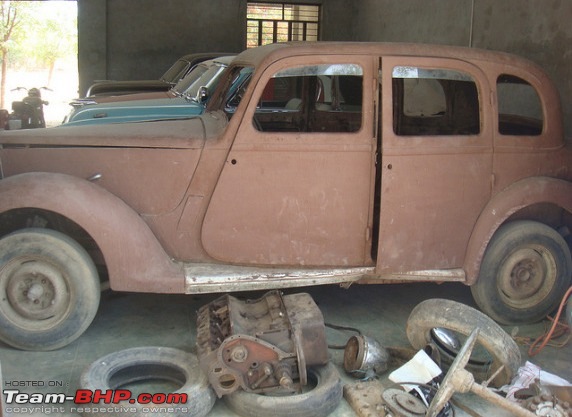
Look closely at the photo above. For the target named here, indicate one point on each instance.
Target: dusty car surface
(187, 98)
(338, 163)
(178, 70)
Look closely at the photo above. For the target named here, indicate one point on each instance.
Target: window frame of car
(447, 101)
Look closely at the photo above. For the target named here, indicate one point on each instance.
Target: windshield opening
(208, 79)
(185, 83)
(233, 86)
(177, 71)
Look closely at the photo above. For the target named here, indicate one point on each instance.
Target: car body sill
(210, 278)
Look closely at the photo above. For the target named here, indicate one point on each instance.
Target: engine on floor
(262, 345)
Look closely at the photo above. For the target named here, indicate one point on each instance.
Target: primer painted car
(337, 163)
(186, 99)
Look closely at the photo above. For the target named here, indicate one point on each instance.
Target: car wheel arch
(133, 260)
(508, 204)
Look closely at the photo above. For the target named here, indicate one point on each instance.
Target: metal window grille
(281, 22)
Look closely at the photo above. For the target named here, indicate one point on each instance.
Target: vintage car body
(182, 101)
(338, 163)
(178, 70)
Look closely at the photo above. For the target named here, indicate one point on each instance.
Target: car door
(297, 186)
(436, 162)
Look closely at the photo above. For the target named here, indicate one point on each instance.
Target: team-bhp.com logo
(113, 401)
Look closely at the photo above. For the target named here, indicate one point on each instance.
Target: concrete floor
(128, 320)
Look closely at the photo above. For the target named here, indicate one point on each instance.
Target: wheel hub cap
(36, 290)
(526, 275)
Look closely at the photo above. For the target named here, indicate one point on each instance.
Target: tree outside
(38, 48)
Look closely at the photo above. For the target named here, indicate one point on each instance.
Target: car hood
(135, 111)
(188, 133)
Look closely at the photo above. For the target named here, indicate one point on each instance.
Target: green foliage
(45, 31)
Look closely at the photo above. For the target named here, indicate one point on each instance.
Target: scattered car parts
(431, 319)
(262, 345)
(548, 404)
(460, 380)
(268, 356)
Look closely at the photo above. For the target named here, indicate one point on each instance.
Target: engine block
(261, 345)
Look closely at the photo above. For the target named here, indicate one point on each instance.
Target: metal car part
(365, 357)
(403, 404)
(446, 338)
(548, 405)
(261, 345)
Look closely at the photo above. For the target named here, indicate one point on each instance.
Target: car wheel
(525, 271)
(323, 398)
(432, 318)
(154, 365)
(49, 289)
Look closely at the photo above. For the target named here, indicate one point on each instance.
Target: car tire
(140, 364)
(525, 270)
(49, 289)
(494, 344)
(320, 401)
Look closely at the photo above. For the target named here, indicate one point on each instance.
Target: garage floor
(129, 320)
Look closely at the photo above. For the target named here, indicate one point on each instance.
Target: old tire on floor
(152, 364)
(494, 346)
(49, 289)
(525, 271)
(317, 402)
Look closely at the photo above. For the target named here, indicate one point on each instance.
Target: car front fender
(134, 258)
(521, 194)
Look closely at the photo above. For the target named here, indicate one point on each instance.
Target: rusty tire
(526, 269)
(152, 364)
(49, 289)
(318, 402)
(494, 346)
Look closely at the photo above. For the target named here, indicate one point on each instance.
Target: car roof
(273, 52)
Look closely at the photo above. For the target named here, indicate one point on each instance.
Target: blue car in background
(188, 98)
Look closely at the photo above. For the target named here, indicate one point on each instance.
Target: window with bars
(281, 22)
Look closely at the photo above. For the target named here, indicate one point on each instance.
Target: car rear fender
(134, 258)
(502, 206)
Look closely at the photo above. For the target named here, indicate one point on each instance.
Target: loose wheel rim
(34, 292)
(527, 276)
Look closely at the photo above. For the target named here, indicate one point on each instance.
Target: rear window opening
(519, 107)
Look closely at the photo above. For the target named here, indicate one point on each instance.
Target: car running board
(210, 278)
